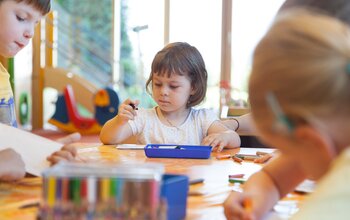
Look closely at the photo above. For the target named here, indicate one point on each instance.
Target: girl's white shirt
(148, 128)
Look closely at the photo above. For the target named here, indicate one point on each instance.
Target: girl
(303, 110)
(177, 83)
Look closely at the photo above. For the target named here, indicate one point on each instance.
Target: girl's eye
(157, 84)
(19, 18)
(174, 87)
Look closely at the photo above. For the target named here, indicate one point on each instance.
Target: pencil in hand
(133, 106)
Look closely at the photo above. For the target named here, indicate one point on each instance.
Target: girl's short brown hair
(183, 59)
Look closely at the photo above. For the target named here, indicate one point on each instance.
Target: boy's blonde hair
(304, 59)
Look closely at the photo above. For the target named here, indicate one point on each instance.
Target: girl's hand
(236, 206)
(66, 153)
(127, 110)
(11, 165)
(218, 140)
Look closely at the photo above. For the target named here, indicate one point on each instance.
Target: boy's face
(17, 22)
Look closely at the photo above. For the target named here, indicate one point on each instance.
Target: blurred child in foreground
(302, 110)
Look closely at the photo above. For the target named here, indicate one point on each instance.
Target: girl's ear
(193, 91)
(315, 140)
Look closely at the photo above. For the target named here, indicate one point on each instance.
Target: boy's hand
(11, 165)
(127, 110)
(66, 153)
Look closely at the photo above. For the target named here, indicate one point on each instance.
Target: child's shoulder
(203, 112)
(3, 70)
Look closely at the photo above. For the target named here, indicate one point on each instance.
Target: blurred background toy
(68, 118)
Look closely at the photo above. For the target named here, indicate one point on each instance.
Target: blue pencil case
(178, 151)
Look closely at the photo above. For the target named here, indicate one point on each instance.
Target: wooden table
(205, 204)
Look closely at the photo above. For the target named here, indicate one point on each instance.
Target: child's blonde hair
(304, 60)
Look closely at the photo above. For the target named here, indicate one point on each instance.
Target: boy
(17, 21)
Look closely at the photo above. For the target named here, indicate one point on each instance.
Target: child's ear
(193, 91)
(309, 136)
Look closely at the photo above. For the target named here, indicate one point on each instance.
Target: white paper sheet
(33, 148)
(130, 146)
(252, 151)
(307, 186)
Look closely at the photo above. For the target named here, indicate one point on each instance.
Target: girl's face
(171, 93)
(17, 22)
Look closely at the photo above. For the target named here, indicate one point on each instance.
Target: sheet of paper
(308, 186)
(33, 148)
(252, 151)
(130, 146)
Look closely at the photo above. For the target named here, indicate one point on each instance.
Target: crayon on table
(237, 159)
(240, 175)
(247, 156)
(236, 180)
(223, 156)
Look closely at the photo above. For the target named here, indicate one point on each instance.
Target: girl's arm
(264, 189)
(219, 136)
(117, 129)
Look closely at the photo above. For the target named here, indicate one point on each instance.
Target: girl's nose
(164, 91)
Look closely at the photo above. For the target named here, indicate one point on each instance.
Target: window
(250, 20)
(198, 22)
